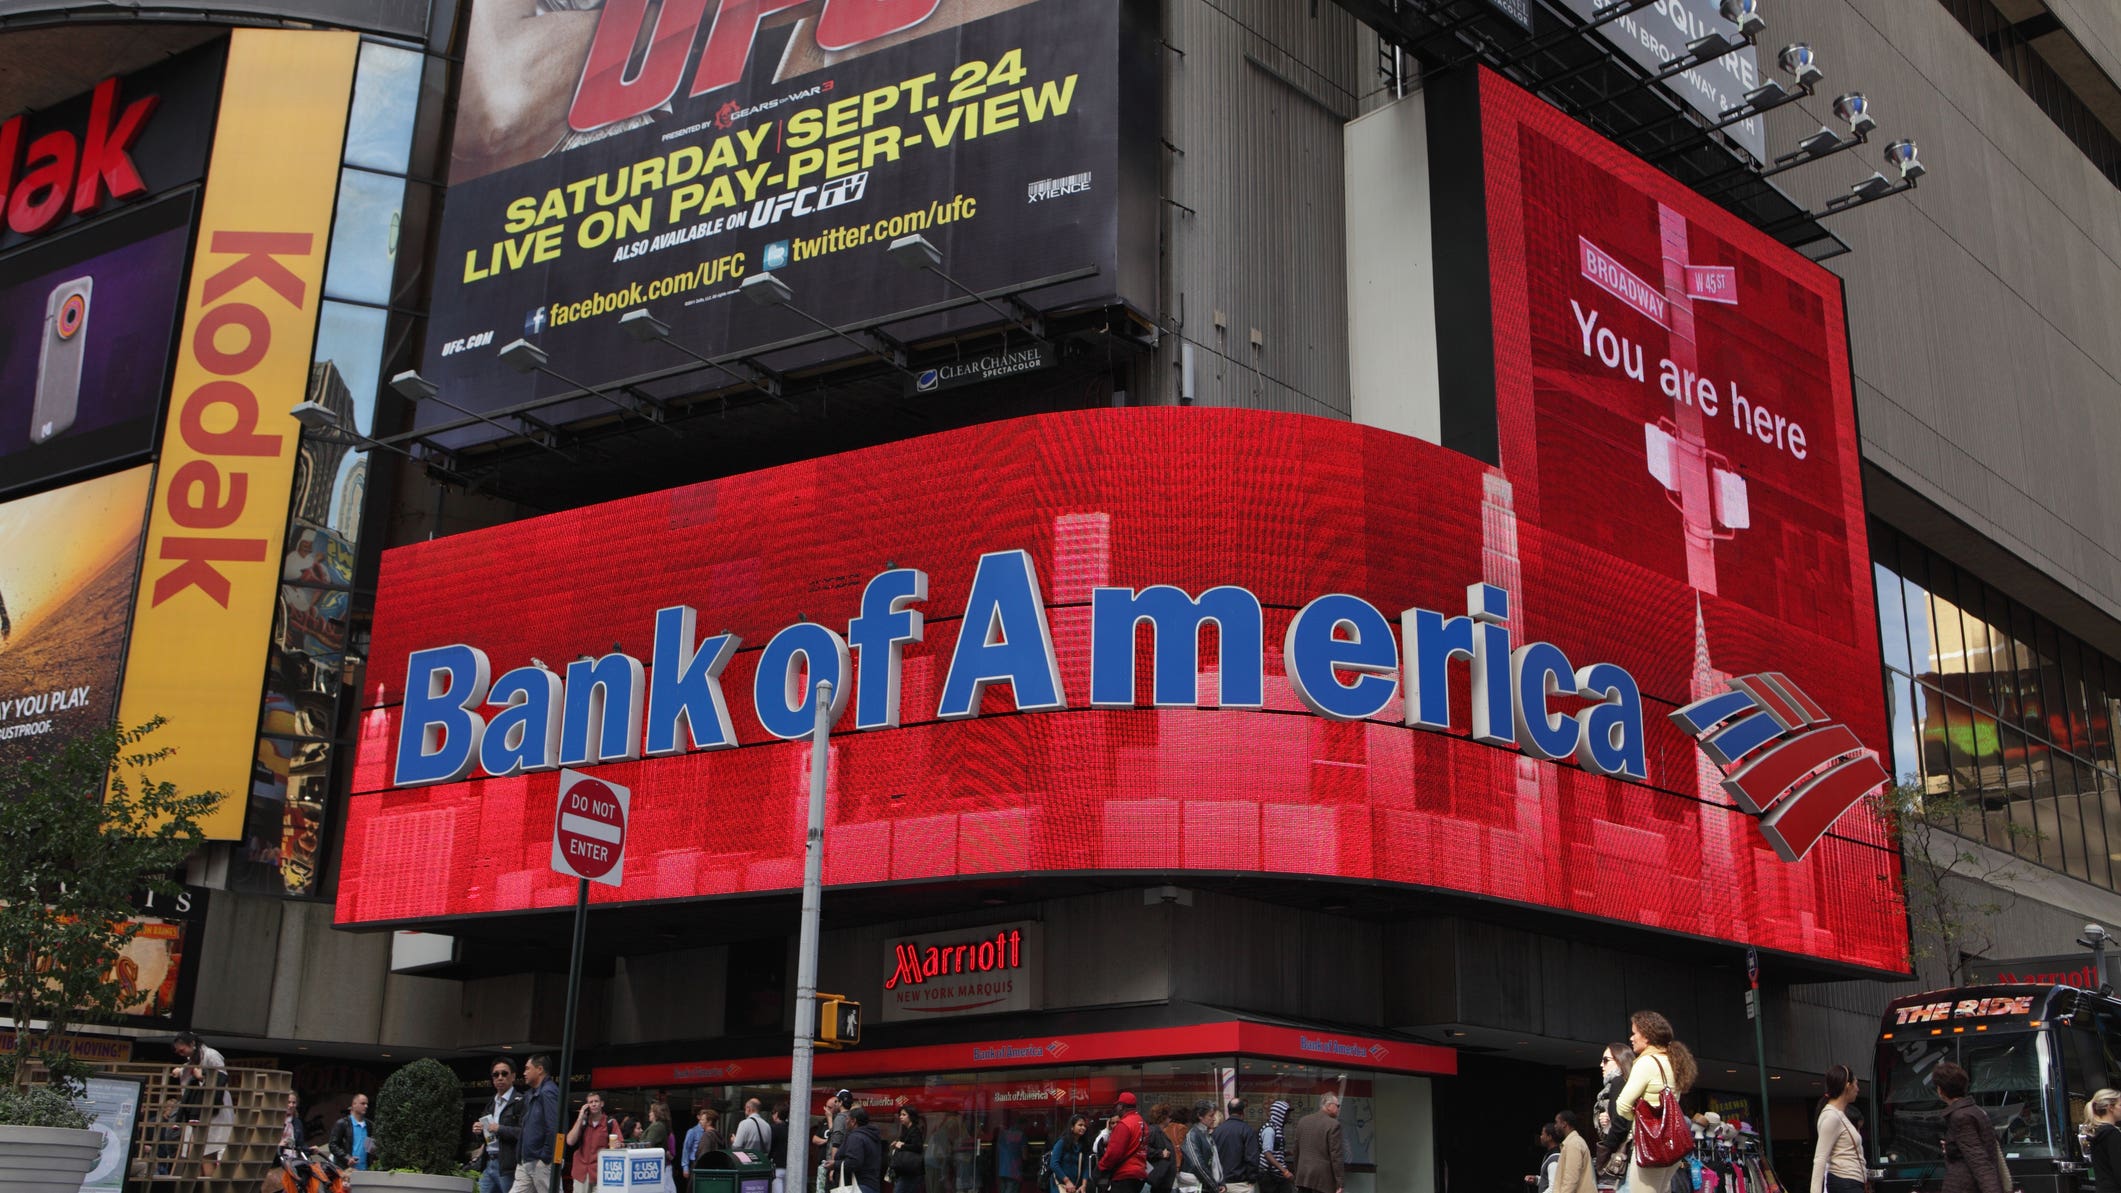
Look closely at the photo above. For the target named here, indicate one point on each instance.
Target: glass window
(1892, 619)
(385, 101)
(1907, 758)
(350, 341)
(364, 237)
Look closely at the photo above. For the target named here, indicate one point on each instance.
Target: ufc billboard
(637, 157)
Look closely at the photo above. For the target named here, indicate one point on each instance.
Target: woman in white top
(1837, 1159)
(1664, 1068)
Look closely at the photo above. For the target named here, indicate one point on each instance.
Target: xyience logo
(1781, 758)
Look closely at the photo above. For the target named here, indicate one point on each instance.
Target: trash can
(630, 1170)
(722, 1172)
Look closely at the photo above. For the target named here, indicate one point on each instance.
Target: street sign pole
(1752, 973)
(588, 845)
(574, 998)
(806, 955)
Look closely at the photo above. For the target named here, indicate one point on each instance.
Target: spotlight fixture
(1799, 62)
(413, 387)
(1901, 153)
(1874, 187)
(1746, 15)
(766, 290)
(1855, 111)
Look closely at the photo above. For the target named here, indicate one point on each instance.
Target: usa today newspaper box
(631, 1170)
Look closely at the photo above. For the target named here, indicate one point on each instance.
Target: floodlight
(1855, 110)
(915, 252)
(1798, 62)
(1901, 153)
(1874, 187)
(766, 290)
(644, 327)
(1819, 143)
(413, 387)
(1746, 15)
(315, 416)
(523, 356)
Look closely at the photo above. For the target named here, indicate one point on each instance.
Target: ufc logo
(610, 92)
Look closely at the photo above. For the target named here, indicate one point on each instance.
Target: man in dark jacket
(1237, 1145)
(863, 1151)
(1124, 1161)
(502, 1129)
(353, 1138)
(1198, 1159)
(541, 1124)
(1315, 1153)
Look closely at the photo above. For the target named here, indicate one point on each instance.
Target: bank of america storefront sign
(1284, 643)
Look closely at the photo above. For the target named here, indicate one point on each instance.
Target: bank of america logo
(1783, 760)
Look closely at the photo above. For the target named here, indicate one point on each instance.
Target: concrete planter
(405, 1182)
(47, 1159)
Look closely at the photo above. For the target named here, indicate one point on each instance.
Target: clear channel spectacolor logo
(1782, 758)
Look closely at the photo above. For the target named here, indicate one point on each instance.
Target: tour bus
(2035, 1054)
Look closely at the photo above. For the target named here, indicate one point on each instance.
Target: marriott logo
(916, 964)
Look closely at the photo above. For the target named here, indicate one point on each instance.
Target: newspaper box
(630, 1170)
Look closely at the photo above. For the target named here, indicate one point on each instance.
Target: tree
(1955, 887)
(419, 1124)
(73, 867)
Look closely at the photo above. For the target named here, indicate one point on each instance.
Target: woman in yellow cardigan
(1664, 1068)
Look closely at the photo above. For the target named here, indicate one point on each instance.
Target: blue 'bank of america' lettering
(1340, 654)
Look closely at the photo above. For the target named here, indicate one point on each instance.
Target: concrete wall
(1255, 94)
(1982, 306)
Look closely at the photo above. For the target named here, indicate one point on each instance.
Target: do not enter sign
(589, 829)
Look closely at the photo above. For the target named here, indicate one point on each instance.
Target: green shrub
(40, 1106)
(419, 1126)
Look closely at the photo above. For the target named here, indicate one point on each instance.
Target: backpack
(1156, 1151)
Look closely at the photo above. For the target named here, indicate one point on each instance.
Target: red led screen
(1289, 506)
(1595, 554)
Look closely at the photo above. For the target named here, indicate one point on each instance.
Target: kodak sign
(204, 612)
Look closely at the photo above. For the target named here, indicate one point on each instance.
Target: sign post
(589, 845)
(1752, 1011)
(806, 953)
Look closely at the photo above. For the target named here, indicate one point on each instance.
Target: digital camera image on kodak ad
(59, 364)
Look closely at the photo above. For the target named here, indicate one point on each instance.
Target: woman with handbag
(908, 1173)
(2103, 1115)
(1837, 1160)
(1072, 1161)
(1663, 1070)
(1973, 1157)
(1610, 1161)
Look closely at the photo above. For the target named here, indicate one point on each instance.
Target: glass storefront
(986, 1131)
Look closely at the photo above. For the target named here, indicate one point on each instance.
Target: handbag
(1662, 1134)
(846, 1182)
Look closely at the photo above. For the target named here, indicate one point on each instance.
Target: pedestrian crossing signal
(839, 1021)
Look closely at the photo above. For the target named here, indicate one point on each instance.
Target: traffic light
(839, 1021)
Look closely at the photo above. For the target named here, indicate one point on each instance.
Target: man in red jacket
(1124, 1161)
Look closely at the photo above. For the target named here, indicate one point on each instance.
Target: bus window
(2008, 1072)
(2009, 1076)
